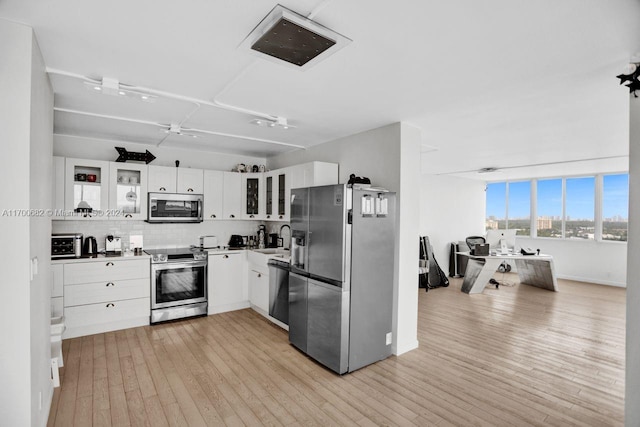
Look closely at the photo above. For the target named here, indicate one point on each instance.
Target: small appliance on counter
(273, 240)
(262, 236)
(236, 242)
(113, 245)
(209, 242)
(90, 246)
(66, 245)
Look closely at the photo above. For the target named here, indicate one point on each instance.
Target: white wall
(586, 261)
(101, 149)
(26, 108)
(390, 157)
(632, 382)
(451, 209)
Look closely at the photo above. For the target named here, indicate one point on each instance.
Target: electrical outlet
(389, 338)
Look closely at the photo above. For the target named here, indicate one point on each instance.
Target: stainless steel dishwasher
(279, 290)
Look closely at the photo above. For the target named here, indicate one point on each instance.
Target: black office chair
(472, 241)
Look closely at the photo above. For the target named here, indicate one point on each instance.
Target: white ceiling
(495, 83)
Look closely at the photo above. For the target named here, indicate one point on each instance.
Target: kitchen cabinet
(232, 195)
(128, 190)
(57, 290)
(277, 194)
(227, 282)
(86, 188)
(162, 179)
(313, 174)
(175, 180)
(189, 181)
(253, 199)
(106, 295)
(259, 288)
(213, 190)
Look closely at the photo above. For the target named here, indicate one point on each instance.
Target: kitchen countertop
(100, 257)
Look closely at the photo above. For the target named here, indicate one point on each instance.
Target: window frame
(598, 205)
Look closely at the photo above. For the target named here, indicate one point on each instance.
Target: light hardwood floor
(515, 356)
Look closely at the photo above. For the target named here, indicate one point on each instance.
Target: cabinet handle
(259, 274)
(232, 216)
(281, 216)
(162, 189)
(110, 284)
(250, 216)
(128, 216)
(268, 216)
(213, 215)
(109, 264)
(189, 190)
(226, 256)
(111, 305)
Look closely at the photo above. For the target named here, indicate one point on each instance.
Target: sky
(580, 197)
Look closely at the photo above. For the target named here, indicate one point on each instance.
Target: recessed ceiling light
(279, 122)
(122, 93)
(98, 88)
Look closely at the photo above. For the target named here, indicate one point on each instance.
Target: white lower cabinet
(259, 289)
(106, 295)
(227, 282)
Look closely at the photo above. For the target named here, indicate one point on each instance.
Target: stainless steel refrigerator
(341, 280)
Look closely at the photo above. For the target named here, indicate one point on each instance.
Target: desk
(534, 270)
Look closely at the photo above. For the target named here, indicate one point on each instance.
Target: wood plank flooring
(515, 356)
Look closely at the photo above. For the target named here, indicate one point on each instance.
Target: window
(496, 206)
(615, 207)
(519, 213)
(580, 208)
(564, 207)
(549, 206)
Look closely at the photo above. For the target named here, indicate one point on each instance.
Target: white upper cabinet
(213, 194)
(175, 180)
(128, 190)
(189, 181)
(232, 197)
(162, 179)
(277, 192)
(86, 188)
(253, 197)
(313, 174)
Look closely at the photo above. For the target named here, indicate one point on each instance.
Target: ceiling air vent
(290, 39)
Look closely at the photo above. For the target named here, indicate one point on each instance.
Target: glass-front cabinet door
(253, 197)
(86, 184)
(127, 191)
(269, 195)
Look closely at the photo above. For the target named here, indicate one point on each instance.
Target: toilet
(57, 328)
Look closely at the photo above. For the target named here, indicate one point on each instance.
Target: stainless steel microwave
(174, 207)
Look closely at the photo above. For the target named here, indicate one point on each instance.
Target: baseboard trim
(591, 280)
(228, 307)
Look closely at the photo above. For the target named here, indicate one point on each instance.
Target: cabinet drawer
(91, 314)
(107, 271)
(92, 293)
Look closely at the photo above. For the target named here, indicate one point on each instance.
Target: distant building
(491, 224)
(544, 223)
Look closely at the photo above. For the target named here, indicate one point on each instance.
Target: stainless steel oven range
(178, 283)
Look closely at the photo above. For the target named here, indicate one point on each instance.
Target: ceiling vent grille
(288, 38)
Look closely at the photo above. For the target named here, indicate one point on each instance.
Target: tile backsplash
(159, 235)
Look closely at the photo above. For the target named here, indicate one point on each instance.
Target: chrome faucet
(283, 226)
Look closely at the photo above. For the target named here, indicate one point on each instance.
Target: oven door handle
(175, 265)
